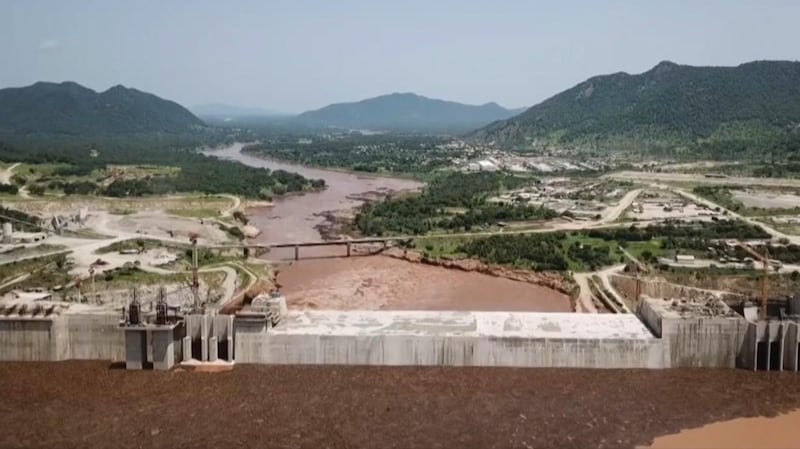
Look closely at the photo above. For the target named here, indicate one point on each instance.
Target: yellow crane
(764, 259)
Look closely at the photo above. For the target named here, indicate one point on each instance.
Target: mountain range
(404, 111)
(225, 111)
(669, 105)
(70, 109)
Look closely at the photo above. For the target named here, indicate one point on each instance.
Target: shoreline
(368, 175)
(552, 280)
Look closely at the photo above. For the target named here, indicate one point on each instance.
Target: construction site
(215, 315)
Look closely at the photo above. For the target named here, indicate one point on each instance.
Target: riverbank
(389, 175)
(295, 218)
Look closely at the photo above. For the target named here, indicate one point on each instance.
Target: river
(374, 282)
(293, 218)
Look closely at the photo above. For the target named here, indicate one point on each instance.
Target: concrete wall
(94, 337)
(28, 340)
(255, 344)
(654, 289)
(706, 342)
(62, 337)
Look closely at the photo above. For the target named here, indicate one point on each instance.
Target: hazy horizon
(292, 56)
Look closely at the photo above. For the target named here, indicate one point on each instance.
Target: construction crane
(764, 259)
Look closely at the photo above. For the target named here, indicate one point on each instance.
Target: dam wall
(450, 338)
(663, 334)
(697, 335)
(61, 337)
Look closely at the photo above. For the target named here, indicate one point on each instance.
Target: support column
(163, 348)
(135, 348)
(296, 252)
(212, 349)
(204, 338)
(187, 348)
(348, 249)
(229, 340)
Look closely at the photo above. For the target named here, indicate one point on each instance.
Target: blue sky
(302, 54)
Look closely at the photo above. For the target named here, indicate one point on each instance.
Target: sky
(296, 55)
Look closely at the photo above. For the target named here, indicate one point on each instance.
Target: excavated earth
(97, 405)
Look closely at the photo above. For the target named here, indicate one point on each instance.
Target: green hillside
(706, 111)
(71, 109)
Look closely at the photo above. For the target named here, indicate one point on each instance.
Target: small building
(487, 166)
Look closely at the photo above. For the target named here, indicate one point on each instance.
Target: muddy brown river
(324, 281)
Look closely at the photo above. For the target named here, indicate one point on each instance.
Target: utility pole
(195, 278)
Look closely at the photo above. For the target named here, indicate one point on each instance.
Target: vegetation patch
(433, 209)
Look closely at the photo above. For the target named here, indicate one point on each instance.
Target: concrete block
(213, 349)
(135, 348)
(187, 348)
(791, 341)
(163, 349)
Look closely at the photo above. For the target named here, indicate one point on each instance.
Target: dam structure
(663, 333)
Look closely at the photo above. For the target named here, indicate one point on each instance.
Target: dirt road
(585, 303)
(5, 175)
(698, 199)
(702, 179)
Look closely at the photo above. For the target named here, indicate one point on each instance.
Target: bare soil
(90, 405)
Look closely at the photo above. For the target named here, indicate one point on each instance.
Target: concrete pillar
(204, 338)
(135, 348)
(212, 349)
(348, 249)
(791, 334)
(187, 348)
(230, 348)
(163, 349)
(8, 232)
(296, 252)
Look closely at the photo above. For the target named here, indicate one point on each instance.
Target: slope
(404, 111)
(668, 106)
(70, 109)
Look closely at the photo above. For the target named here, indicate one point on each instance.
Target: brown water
(779, 432)
(293, 218)
(385, 283)
(373, 282)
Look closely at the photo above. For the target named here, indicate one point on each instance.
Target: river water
(374, 282)
(293, 218)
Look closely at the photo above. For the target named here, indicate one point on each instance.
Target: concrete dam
(662, 334)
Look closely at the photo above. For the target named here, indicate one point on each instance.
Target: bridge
(315, 243)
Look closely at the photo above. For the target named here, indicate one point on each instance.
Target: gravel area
(95, 405)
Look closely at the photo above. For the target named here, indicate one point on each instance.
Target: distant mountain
(668, 106)
(70, 109)
(404, 111)
(220, 110)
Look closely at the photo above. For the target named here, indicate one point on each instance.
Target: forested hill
(404, 111)
(669, 106)
(71, 109)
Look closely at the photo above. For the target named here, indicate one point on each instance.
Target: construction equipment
(764, 259)
(193, 236)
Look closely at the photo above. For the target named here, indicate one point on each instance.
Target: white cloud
(48, 44)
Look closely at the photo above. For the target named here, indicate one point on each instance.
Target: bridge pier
(296, 252)
(348, 249)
